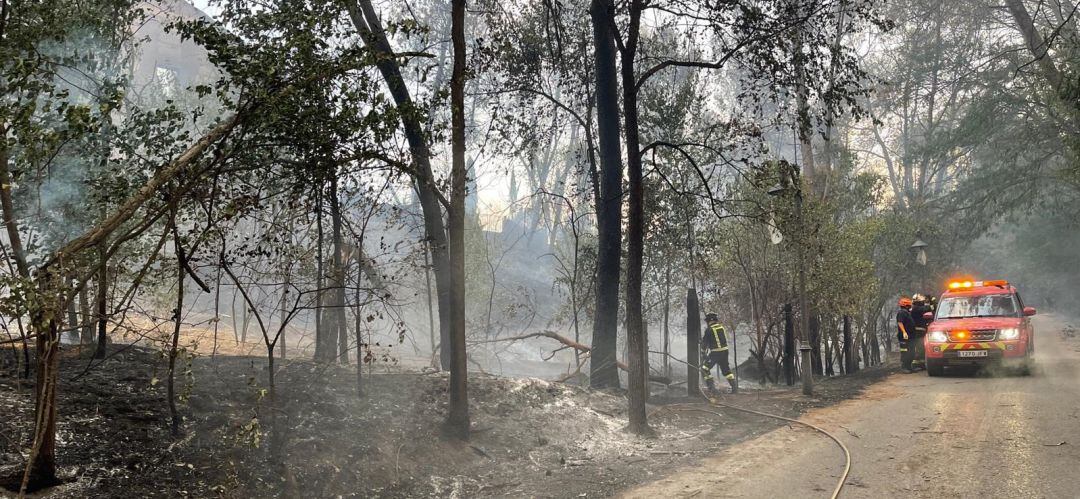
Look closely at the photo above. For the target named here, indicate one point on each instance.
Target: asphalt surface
(962, 435)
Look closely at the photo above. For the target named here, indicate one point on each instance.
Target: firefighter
(905, 329)
(715, 351)
(920, 305)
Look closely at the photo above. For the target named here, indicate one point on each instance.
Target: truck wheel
(1025, 368)
(934, 368)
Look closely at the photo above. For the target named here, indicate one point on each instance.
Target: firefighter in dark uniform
(920, 306)
(905, 329)
(715, 351)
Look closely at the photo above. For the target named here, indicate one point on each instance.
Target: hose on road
(714, 402)
(847, 453)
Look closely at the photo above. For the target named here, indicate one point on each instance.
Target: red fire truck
(980, 323)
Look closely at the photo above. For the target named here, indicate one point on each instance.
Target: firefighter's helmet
(905, 301)
(711, 317)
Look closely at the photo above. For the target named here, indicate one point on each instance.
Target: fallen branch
(571, 344)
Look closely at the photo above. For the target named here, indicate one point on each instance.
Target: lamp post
(918, 248)
(790, 182)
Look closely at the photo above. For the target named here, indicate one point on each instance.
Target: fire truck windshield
(957, 307)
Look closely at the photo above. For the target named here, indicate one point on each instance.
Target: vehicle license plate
(971, 353)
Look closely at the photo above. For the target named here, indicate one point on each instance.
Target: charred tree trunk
(102, 303)
(850, 366)
(457, 421)
(693, 337)
(603, 373)
(636, 336)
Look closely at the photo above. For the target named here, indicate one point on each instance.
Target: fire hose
(847, 453)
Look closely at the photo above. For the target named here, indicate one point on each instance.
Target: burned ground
(528, 434)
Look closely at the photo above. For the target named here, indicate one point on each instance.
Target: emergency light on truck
(1001, 283)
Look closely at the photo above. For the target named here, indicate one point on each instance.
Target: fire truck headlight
(939, 337)
(1009, 334)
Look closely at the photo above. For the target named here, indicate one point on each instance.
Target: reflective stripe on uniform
(716, 331)
(724, 349)
(730, 376)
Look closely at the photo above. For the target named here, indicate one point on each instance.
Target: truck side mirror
(928, 316)
(1029, 311)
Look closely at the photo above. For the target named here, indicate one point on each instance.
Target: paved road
(916, 436)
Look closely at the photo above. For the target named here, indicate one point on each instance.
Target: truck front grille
(980, 335)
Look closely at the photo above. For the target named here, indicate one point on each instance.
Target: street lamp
(918, 248)
(781, 188)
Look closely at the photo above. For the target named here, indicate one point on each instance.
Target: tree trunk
(174, 415)
(805, 124)
(603, 373)
(277, 433)
(338, 332)
(85, 322)
(102, 304)
(575, 281)
(667, 316)
(371, 31)
(849, 352)
(41, 471)
(430, 310)
(10, 222)
(284, 310)
(815, 345)
(235, 315)
(636, 337)
(1038, 48)
(789, 346)
(360, 345)
(72, 315)
(865, 345)
(324, 344)
(693, 337)
(457, 421)
(832, 355)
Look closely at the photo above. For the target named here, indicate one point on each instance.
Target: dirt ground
(528, 434)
